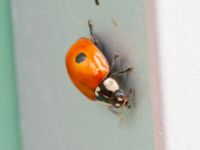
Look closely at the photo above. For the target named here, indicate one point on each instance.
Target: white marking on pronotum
(111, 84)
(97, 91)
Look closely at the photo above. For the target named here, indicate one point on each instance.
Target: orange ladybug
(91, 73)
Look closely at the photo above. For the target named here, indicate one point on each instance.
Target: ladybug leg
(130, 93)
(113, 62)
(117, 112)
(114, 111)
(90, 25)
(122, 71)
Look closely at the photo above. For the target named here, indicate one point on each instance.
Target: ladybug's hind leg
(90, 25)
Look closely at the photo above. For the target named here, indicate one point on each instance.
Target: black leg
(131, 93)
(122, 71)
(128, 95)
(115, 57)
(117, 112)
(90, 25)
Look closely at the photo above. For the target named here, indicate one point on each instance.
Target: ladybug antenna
(90, 25)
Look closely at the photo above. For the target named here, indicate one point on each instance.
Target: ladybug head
(120, 98)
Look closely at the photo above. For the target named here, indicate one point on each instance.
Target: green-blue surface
(9, 127)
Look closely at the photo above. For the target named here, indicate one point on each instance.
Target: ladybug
(91, 73)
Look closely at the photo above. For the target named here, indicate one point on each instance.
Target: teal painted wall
(9, 120)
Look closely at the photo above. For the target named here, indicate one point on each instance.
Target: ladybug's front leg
(118, 112)
(130, 93)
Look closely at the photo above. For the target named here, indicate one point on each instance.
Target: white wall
(179, 56)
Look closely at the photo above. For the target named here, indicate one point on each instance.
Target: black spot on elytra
(80, 57)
